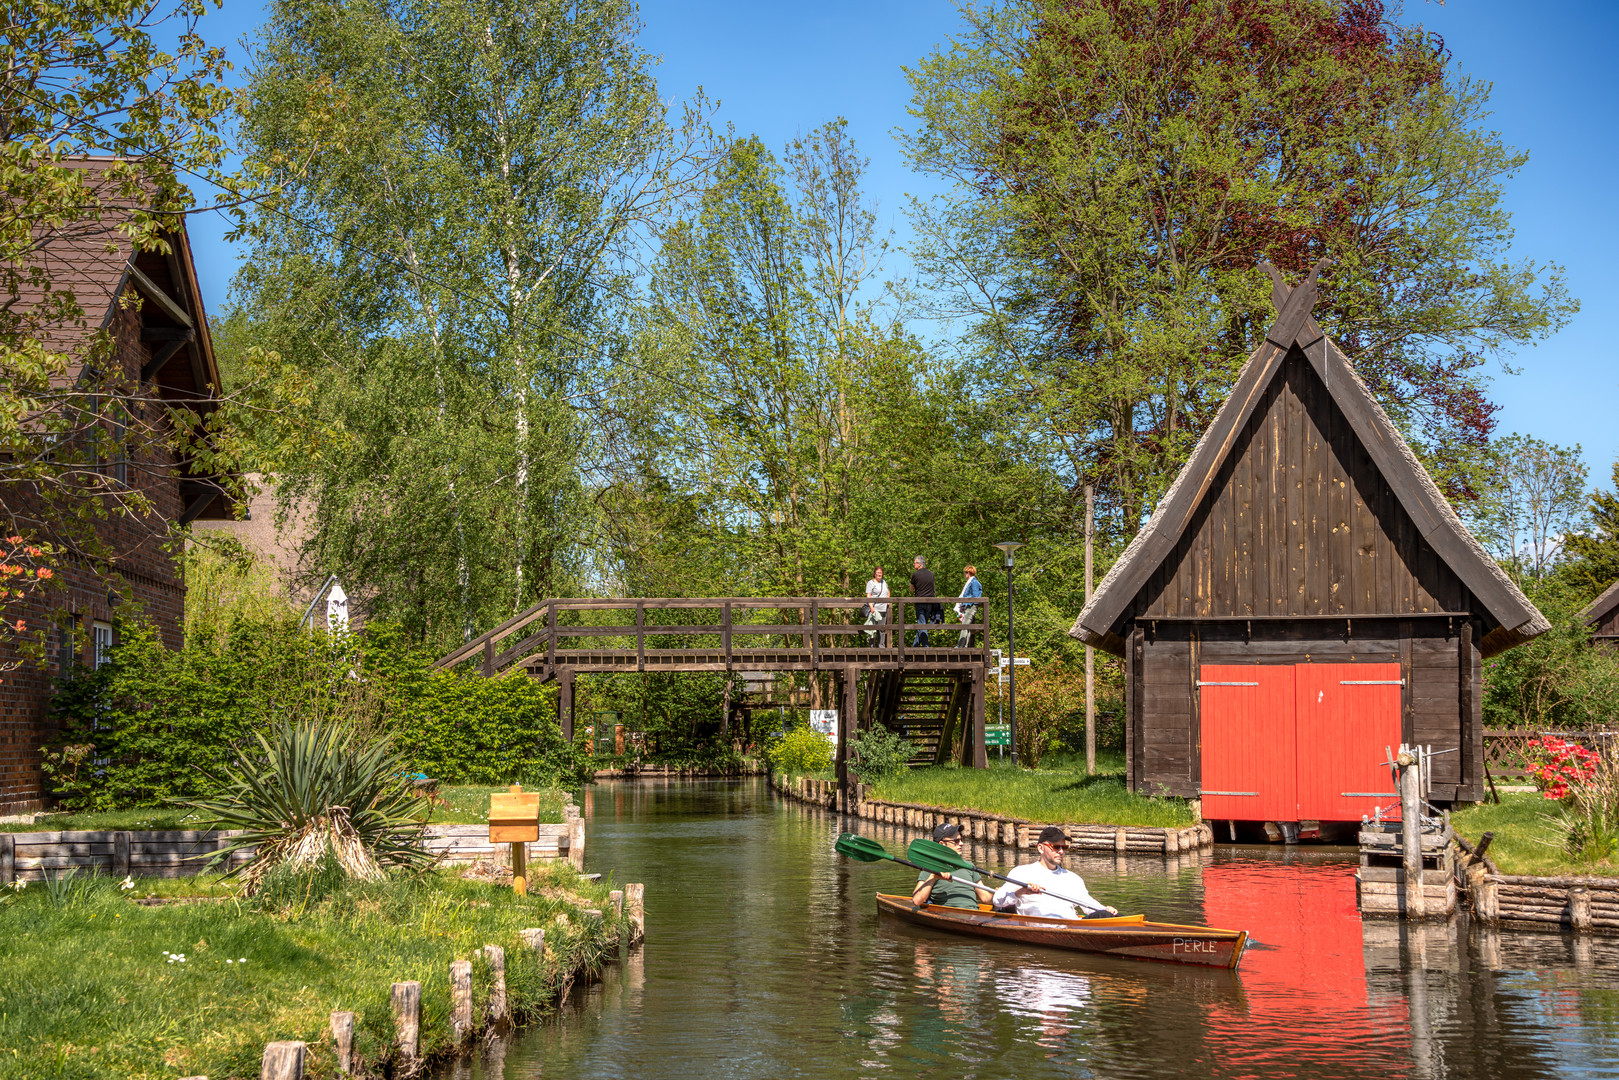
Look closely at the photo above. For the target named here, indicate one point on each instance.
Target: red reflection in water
(1305, 987)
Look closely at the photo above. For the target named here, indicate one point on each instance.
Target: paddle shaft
(935, 850)
(1065, 899)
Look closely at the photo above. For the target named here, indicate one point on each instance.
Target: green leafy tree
(1122, 166)
(453, 195)
(1533, 500)
(1594, 552)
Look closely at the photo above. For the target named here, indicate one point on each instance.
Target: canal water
(765, 957)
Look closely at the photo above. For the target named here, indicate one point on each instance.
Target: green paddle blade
(935, 857)
(858, 847)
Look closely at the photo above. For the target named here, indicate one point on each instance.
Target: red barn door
(1249, 735)
(1348, 719)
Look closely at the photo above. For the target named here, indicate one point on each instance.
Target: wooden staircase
(922, 706)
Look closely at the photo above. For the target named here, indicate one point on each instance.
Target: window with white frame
(102, 635)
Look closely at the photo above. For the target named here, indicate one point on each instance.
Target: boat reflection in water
(766, 958)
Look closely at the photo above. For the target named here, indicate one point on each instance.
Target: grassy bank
(1060, 793)
(465, 804)
(90, 992)
(1527, 840)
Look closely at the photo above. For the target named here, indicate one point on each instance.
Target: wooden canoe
(1126, 935)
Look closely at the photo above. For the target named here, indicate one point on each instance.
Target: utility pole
(1090, 653)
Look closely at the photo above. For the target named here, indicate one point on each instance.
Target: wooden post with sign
(514, 818)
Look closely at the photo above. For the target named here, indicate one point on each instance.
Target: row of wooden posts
(1018, 833)
(287, 1060)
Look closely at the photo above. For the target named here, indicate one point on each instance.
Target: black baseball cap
(947, 830)
(1052, 834)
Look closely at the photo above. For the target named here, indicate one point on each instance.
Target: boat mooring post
(1408, 762)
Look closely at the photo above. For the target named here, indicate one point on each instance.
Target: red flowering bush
(1559, 766)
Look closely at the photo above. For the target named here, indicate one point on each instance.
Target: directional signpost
(998, 735)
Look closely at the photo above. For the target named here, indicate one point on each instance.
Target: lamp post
(1007, 547)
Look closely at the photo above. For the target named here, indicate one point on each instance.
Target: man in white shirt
(876, 613)
(1030, 883)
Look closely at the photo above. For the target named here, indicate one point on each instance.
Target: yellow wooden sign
(514, 817)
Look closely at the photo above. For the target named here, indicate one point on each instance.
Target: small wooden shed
(1602, 616)
(1302, 599)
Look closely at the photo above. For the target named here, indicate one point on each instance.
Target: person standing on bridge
(922, 585)
(969, 612)
(876, 613)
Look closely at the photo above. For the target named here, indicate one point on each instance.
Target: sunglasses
(1059, 848)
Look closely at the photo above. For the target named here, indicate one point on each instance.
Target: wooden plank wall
(1299, 522)
(1442, 706)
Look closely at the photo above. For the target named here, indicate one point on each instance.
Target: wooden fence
(993, 828)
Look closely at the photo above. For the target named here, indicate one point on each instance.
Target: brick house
(150, 306)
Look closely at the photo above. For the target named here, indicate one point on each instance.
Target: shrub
(313, 795)
(801, 751)
(878, 753)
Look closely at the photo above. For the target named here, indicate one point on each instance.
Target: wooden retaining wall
(182, 853)
(993, 828)
(1581, 904)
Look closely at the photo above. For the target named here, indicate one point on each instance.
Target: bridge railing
(825, 624)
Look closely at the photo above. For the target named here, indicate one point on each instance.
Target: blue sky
(780, 69)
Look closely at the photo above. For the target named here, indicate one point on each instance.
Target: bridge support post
(848, 705)
(565, 702)
(973, 753)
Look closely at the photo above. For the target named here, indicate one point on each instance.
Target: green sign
(997, 735)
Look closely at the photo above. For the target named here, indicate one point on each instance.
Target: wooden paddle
(864, 850)
(941, 858)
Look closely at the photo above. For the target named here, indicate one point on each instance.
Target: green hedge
(155, 724)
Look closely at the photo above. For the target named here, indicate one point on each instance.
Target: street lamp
(1007, 547)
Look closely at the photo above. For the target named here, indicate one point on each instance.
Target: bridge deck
(756, 634)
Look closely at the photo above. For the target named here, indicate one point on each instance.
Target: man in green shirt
(950, 891)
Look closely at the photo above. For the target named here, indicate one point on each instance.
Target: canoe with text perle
(1125, 935)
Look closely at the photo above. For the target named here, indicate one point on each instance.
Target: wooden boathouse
(1602, 616)
(1302, 599)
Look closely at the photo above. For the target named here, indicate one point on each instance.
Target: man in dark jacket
(922, 585)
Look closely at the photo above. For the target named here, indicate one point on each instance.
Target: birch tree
(454, 195)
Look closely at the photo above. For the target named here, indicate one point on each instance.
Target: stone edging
(992, 828)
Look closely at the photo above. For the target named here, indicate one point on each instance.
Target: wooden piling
(8, 858)
(534, 938)
(460, 1000)
(120, 854)
(496, 956)
(283, 1061)
(1121, 841)
(615, 898)
(406, 999)
(635, 901)
(343, 1036)
(1411, 833)
(1579, 910)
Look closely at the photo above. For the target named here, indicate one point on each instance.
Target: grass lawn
(465, 804)
(1058, 792)
(1526, 841)
(89, 991)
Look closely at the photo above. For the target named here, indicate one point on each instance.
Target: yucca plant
(310, 789)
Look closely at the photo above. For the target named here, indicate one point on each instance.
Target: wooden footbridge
(932, 694)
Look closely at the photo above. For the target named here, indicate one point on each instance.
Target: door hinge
(1254, 793)
(1371, 682)
(1202, 683)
